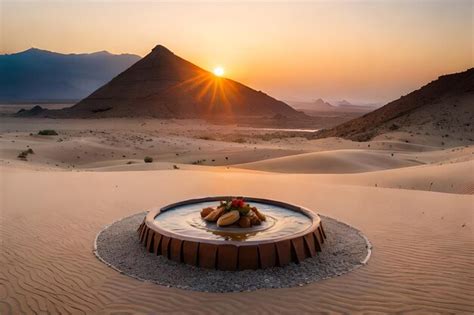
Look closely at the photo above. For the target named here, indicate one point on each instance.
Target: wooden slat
(165, 246)
(156, 244)
(175, 250)
(248, 257)
(227, 256)
(322, 229)
(268, 255)
(298, 248)
(207, 255)
(317, 241)
(310, 246)
(190, 253)
(149, 241)
(283, 252)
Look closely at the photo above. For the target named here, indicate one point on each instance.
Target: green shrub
(148, 159)
(48, 132)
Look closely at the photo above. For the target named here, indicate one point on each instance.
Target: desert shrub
(206, 138)
(148, 159)
(48, 132)
(394, 127)
(23, 154)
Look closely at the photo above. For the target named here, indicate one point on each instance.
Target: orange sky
(360, 51)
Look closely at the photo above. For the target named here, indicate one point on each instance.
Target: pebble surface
(117, 245)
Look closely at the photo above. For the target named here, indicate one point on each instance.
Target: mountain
(35, 75)
(317, 105)
(344, 103)
(445, 105)
(163, 85)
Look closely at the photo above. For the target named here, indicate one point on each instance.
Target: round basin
(289, 234)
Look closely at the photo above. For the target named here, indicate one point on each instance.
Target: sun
(219, 71)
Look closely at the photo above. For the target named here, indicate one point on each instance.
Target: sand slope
(331, 162)
(416, 207)
(451, 178)
(421, 262)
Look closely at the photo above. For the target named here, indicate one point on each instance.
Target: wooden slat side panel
(227, 256)
(156, 244)
(268, 255)
(248, 257)
(149, 241)
(317, 240)
(322, 230)
(190, 253)
(298, 249)
(309, 243)
(207, 255)
(176, 249)
(283, 252)
(165, 246)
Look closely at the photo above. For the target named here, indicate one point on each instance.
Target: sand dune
(416, 207)
(331, 162)
(421, 259)
(448, 177)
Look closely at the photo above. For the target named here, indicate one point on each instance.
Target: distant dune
(444, 107)
(39, 75)
(331, 162)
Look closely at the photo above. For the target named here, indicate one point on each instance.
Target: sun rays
(214, 93)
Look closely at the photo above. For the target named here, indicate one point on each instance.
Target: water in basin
(186, 221)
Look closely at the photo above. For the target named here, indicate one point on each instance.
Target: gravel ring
(117, 245)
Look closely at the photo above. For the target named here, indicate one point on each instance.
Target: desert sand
(414, 201)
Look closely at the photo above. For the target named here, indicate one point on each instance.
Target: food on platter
(235, 212)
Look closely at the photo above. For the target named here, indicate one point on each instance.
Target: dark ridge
(427, 98)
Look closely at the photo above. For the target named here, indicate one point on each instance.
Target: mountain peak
(102, 52)
(165, 85)
(161, 49)
(34, 50)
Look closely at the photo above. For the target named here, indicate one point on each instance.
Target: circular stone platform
(118, 247)
(177, 231)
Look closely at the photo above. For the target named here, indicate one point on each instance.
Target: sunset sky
(360, 51)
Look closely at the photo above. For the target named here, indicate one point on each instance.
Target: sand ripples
(420, 262)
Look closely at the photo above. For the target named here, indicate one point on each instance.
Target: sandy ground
(413, 200)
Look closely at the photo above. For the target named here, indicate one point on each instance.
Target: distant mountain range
(35, 75)
(317, 105)
(164, 85)
(444, 106)
(321, 105)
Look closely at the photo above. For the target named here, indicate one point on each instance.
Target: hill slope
(443, 106)
(35, 75)
(164, 85)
